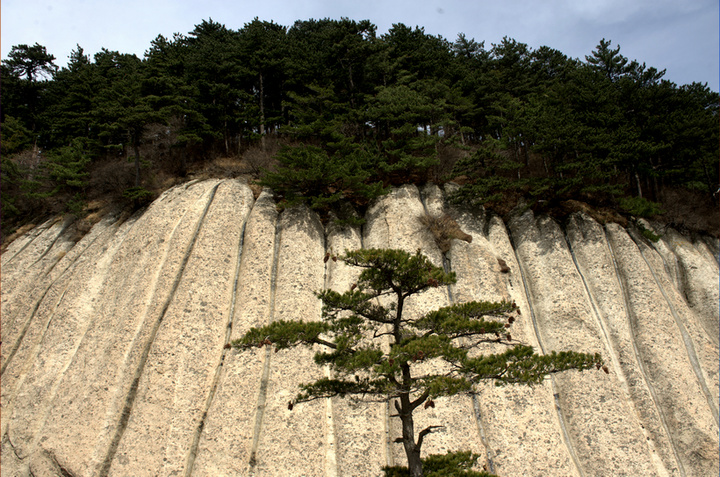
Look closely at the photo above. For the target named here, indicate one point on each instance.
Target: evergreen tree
(401, 114)
(67, 171)
(26, 73)
(608, 61)
(165, 86)
(215, 69)
(15, 136)
(307, 174)
(330, 77)
(124, 109)
(74, 99)
(262, 45)
(31, 62)
(376, 352)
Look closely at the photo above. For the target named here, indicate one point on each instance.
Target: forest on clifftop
(328, 111)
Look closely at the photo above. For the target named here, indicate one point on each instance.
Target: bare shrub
(444, 228)
(258, 159)
(223, 167)
(8, 239)
(82, 226)
(159, 148)
(256, 189)
(690, 211)
(503, 265)
(448, 155)
(602, 215)
(112, 177)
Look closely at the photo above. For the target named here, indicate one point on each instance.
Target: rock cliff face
(114, 358)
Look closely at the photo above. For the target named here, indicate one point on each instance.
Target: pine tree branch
(323, 342)
(424, 432)
(423, 397)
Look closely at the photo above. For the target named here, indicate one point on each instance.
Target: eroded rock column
(92, 400)
(594, 409)
(227, 440)
(186, 349)
(663, 354)
(520, 424)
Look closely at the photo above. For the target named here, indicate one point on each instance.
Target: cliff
(114, 357)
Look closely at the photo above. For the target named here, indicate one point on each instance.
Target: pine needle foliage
(377, 353)
(452, 464)
(307, 174)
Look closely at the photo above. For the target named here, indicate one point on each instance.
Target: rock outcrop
(115, 357)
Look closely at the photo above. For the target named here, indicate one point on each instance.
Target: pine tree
(26, 73)
(608, 61)
(307, 174)
(124, 109)
(262, 45)
(214, 69)
(375, 351)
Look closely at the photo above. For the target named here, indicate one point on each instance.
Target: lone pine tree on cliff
(377, 353)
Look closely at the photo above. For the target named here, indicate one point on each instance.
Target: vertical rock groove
(598, 317)
(641, 363)
(123, 228)
(331, 461)
(389, 461)
(65, 225)
(32, 236)
(192, 452)
(558, 408)
(609, 344)
(69, 270)
(104, 467)
(22, 279)
(33, 355)
(265, 377)
(481, 431)
(687, 340)
(447, 267)
(23, 331)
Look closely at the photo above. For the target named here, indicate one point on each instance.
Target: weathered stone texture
(227, 440)
(114, 356)
(521, 431)
(667, 356)
(593, 406)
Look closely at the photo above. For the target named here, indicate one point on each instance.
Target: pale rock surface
(229, 435)
(592, 406)
(519, 425)
(664, 356)
(115, 357)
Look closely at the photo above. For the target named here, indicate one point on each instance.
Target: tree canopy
(504, 120)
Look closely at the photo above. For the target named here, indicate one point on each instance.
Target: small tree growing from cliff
(377, 352)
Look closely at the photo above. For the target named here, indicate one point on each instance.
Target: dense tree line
(362, 111)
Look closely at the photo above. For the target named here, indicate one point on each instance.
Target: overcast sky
(678, 35)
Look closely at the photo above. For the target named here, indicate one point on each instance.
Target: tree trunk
(262, 113)
(225, 138)
(404, 408)
(350, 75)
(412, 450)
(136, 149)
